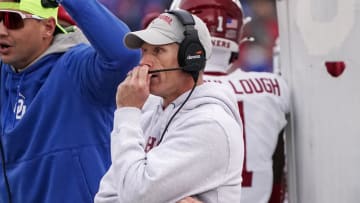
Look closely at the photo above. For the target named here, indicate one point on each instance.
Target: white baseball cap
(166, 29)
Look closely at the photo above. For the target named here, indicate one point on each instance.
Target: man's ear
(49, 26)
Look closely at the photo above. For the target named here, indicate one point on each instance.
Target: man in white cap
(187, 142)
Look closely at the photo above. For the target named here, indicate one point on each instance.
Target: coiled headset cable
(195, 76)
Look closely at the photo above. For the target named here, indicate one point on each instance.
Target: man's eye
(157, 50)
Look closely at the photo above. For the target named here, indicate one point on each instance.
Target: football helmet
(224, 20)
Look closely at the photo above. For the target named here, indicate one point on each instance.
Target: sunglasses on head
(15, 19)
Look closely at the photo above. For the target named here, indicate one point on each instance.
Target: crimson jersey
(263, 101)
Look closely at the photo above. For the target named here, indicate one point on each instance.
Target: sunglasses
(15, 19)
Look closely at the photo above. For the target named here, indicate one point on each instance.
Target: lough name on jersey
(256, 86)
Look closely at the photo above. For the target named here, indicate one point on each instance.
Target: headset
(191, 55)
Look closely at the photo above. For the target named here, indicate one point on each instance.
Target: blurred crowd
(263, 27)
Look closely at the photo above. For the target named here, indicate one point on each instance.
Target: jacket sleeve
(186, 163)
(101, 67)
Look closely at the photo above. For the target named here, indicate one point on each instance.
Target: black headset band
(184, 17)
(191, 44)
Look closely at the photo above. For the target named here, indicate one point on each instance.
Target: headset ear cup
(191, 56)
(182, 53)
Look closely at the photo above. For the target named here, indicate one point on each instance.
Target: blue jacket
(56, 142)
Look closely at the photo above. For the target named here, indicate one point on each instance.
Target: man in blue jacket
(57, 99)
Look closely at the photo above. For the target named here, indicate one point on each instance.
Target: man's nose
(147, 59)
(3, 29)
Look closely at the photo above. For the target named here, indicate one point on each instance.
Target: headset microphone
(192, 69)
(189, 68)
(163, 70)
